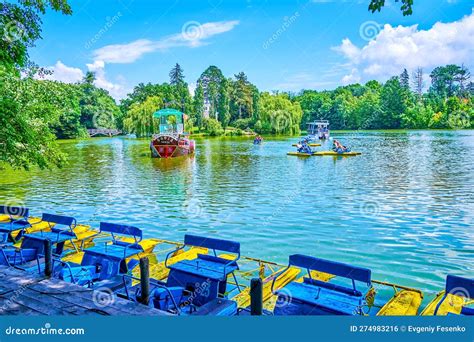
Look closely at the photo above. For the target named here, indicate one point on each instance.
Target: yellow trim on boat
(451, 304)
(298, 154)
(403, 303)
(332, 153)
(311, 145)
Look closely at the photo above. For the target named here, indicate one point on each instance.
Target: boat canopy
(171, 120)
(319, 123)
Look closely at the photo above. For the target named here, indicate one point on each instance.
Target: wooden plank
(23, 293)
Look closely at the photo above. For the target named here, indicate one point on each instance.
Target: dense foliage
(35, 111)
(448, 103)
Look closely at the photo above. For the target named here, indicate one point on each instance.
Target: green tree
(176, 75)
(449, 80)
(223, 106)
(279, 115)
(242, 99)
(210, 80)
(139, 119)
(25, 137)
(406, 8)
(405, 79)
(198, 112)
(394, 101)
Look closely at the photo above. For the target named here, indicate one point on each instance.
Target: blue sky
(284, 45)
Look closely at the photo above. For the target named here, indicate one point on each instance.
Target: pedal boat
(29, 252)
(328, 294)
(103, 264)
(456, 299)
(197, 286)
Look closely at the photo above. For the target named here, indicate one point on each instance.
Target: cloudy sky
(284, 45)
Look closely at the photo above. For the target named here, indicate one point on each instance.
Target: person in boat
(339, 148)
(258, 139)
(303, 147)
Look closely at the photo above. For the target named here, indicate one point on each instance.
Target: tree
(405, 79)
(449, 80)
(21, 26)
(198, 105)
(223, 107)
(89, 78)
(242, 96)
(394, 100)
(176, 75)
(418, 82)
(139, 119)
(25, 136)
(279, 115)
(407, 6)
(210, 80)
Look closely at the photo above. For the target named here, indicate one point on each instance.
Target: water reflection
(404, 208)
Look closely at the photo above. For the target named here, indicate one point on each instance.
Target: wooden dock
(23, 293)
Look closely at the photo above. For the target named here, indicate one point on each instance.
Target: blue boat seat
(116, 249)
(322, 299)
(106, 260)
(314, 297)
(18, 220)
(32, 245)
(453, 285)
(209, 266)
(206, 266)
(204, 278)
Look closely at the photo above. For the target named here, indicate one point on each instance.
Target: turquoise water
(404, 208)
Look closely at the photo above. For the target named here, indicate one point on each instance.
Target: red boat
(171, 141)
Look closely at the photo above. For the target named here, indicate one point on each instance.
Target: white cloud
(116, 90)
(396, 48)
(193, 35)
(63, 73)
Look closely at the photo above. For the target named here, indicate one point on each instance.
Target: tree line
(36, 112)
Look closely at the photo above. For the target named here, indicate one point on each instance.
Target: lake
(404, 208)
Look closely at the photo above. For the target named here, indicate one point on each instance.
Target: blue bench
(314, 297)
(18, 220)
(32, 245)
(459, 286)
(61, 230)
(107, 259)
(199, 281)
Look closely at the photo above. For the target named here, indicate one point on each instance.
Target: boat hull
(170, 146)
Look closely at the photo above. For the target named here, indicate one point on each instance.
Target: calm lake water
(404, 208)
